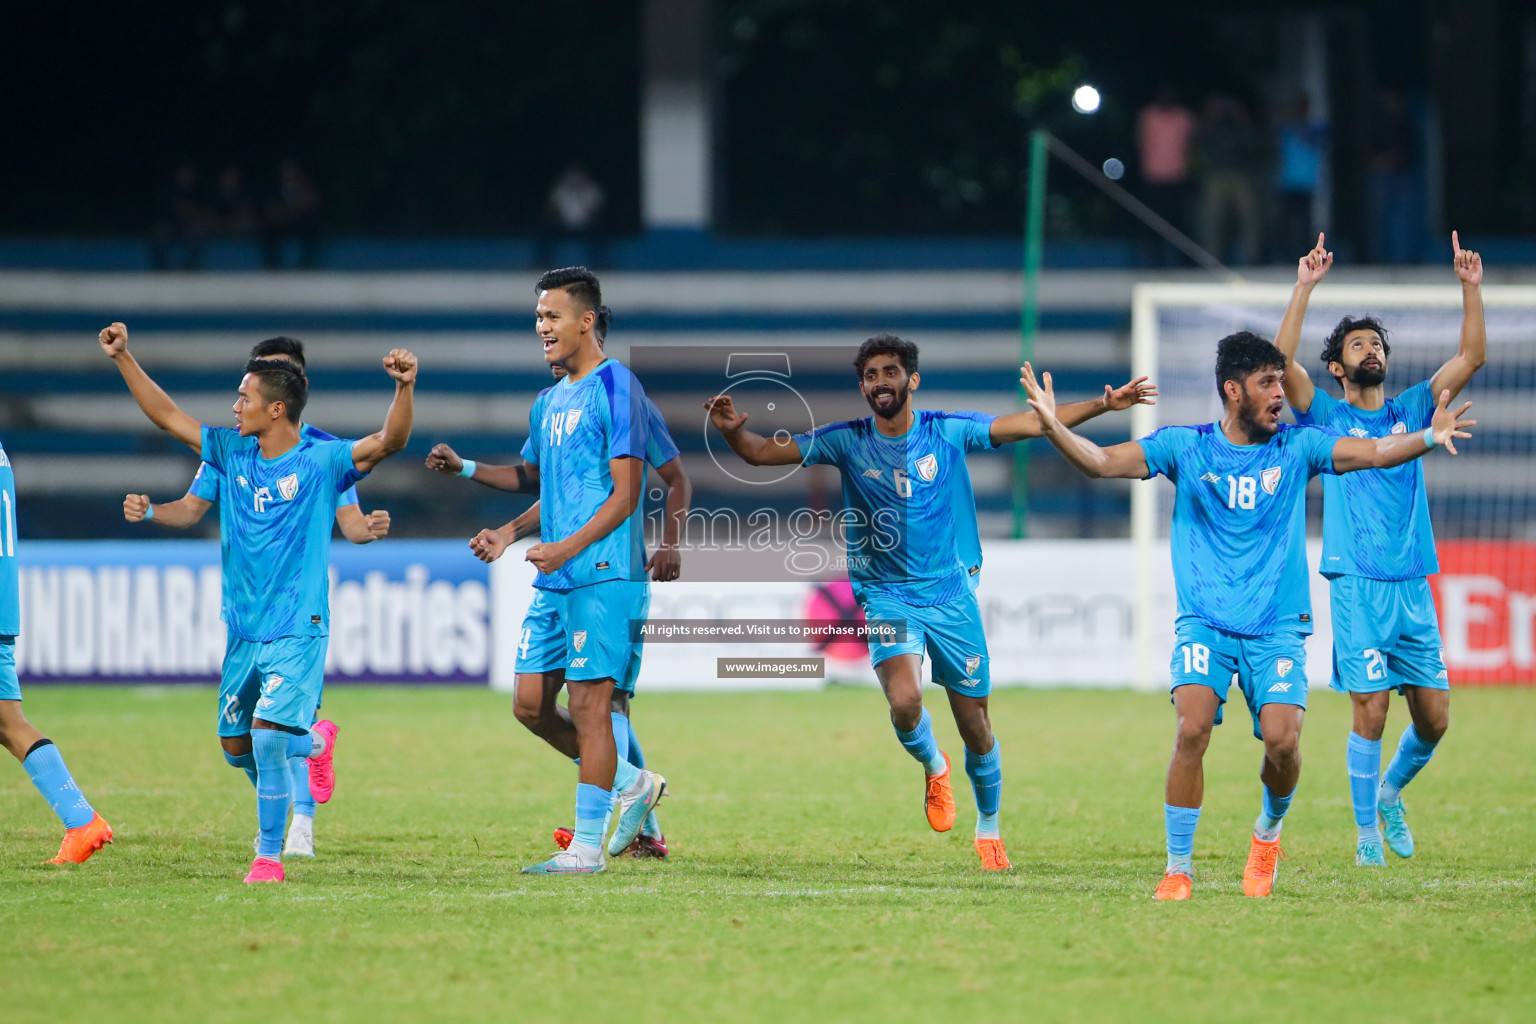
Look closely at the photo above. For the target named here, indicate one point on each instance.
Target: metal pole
(1029, 320)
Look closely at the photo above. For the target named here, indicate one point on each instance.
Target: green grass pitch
(804, 883)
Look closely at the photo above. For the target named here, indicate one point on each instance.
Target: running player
(85, 831)
(356, 527)
(280, 495)
(541, 671)
(587, 442)
(1240, 569)
(1378, 546)
(914, 554)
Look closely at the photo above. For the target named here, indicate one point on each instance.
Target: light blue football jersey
(910, 513)
(660, 449)
(573, 432)
(1376, 522)
(275, 528)
(10, 580)
(205, 484)
(1239, 523)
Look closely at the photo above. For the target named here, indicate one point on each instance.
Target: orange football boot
(1259, 872)
(939, 801)
(80, 843)
(993, 856)
(1174, 887)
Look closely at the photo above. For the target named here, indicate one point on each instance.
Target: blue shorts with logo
(1385, 636)
(277, 681)
(949, 634)
(586, 632)
(1270, 669)
(10, 686)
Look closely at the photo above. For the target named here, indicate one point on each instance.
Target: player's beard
(1248, 414)
(1365, 376)
(893, 410)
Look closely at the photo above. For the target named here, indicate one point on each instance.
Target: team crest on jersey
(572, 418)
(288, 486)
(272, 684)
(928, 468)
(972, 664)
(1283, 666)
(1269, 479)
(579, 639)
(1399, 428)
(5, 460)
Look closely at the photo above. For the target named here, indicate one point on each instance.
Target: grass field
(804, 882)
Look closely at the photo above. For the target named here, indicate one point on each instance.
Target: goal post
(1482, 503)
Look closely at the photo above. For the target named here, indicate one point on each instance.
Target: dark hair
(1243, 353)
(1333, 348)
(579, 283)
(886, 345)
(604, 321)
(282, 345)
(281, 381)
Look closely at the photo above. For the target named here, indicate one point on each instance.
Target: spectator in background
(574, 209)
(1164, 130)
(1228, 151)
(1301, 141)
(1395, 200)
(292, 212)
(233, 211)
(183, 221)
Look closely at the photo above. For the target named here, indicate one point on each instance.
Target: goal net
(1482, 503)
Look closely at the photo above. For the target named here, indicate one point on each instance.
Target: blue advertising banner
(148, 611)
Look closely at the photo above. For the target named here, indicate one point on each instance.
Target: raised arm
(362, 529)
(375, 448)
(1125, 460)
(1020, 426)
(666, 562)
(1469, 358)
(1310, 269)
(1355, 453)
(157, 405)
(628, 479)
(754, 449)
(522, 478)
(185, 511)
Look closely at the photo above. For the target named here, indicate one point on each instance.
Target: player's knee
(529, 714)
(1434, 729)
(236, 746)
(1193, 736)
(1282, 746)
(906, 711)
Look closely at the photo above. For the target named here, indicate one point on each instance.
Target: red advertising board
(1486, 594)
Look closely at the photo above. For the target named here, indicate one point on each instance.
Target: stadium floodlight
(1085, 99)
(1114, 169)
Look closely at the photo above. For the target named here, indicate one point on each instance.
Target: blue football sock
(922, 746)
(1412, 754)
(298, 781)
(636, 755)
(45, 765)
(986, 773)
(1363, 757)
(270, 748)
(1271, 815)
(246, 761)
(592, 803)
(301, 745)
(1179, 825)
(620, 734)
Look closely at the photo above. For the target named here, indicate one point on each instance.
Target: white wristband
(469, 468)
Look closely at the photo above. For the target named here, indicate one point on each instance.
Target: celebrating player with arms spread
(1378, 546)
(915, 554)
(1240, 568)
(281, 495)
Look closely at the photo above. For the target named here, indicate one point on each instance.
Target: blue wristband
(149, 513)
(469, 468)
(1429, 437)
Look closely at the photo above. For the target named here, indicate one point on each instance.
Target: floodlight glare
(1114, 169)
(1085, 100)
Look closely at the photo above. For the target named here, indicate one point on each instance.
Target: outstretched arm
(157, 405)
(1356, 453)
(1469, 358)
(375, 448)
(1126, 460)
(522, 478)
(1310, 269)
(185, 511)
(667, 562)
(362, 529)
(628, 478)
(754, 449)
(1020, 426)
